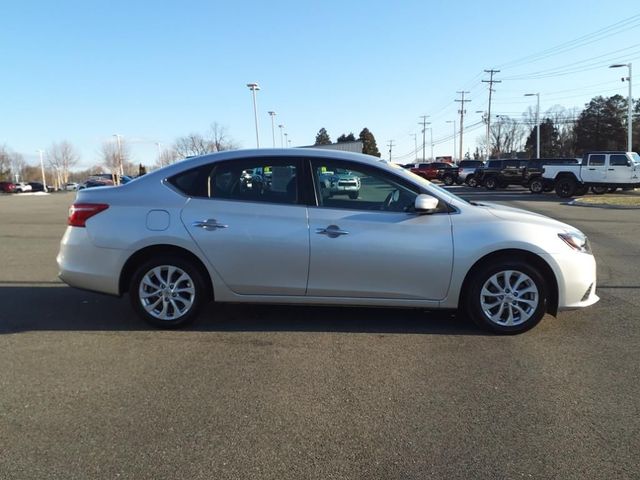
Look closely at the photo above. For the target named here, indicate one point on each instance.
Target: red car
(7, 187)
(445, 172)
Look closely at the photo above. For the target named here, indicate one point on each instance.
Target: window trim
(213, 166)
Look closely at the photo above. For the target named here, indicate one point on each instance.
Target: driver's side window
(357, 187)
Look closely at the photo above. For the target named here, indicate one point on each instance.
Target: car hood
(518, 215)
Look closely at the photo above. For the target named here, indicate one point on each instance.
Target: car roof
(198, 161)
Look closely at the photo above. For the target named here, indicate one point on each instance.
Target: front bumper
(576, 276)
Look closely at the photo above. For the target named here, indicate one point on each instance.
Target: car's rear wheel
(448, 180)
(353, 195)
(508, 297)
(565, 187)
(471, 181)
(599, 190)
(167, 291)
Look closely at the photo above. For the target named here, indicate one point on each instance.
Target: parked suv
(445, 172)
(466, 172)
(501, 173)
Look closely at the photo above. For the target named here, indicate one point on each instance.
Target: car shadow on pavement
(26, 308)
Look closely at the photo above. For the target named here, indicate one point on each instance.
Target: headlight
(576, 240)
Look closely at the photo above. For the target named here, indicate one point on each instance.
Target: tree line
(601, 125)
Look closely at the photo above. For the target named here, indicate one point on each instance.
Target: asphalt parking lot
(89, 391)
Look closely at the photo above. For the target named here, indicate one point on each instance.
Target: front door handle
(612, 169)
(209, 224)
(332, 231)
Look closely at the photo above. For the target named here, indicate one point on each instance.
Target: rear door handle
(209, 224)
(332, 231)
(612, 169)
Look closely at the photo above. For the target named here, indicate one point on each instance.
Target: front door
(372, 245)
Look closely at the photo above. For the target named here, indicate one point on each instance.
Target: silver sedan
(197, 231)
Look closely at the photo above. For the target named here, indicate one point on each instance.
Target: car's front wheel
(167, 291)
(536, 185)
(471, 181)
(508, 297)
(491, 183)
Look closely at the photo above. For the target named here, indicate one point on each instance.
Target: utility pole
(390, 149)
(462, 111)
(415, 143)
(491, 81)
(424, 130)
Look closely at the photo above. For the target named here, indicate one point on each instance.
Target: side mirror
(425, 203)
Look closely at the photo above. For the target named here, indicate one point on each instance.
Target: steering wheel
(393, 197)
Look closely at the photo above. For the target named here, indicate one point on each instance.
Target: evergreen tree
(322, 138)
(601, 125)
(346, 138)
(549, 140)
(369, 146)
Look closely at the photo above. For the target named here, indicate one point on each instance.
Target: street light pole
(44, 179)
(537, 121)
(273, 128)
(281, 127)
(159, 145)
(286, 138)
(630, 106)
(120, 163)
(253, 87)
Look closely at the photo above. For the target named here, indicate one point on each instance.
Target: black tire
(471, 181)
(581, 190)
(536, 185)
(448, 180)
(354, 195)
(599, 190)
(491, 183)
(189, 293)
(565, 187)
(612, 189)
(524, 309)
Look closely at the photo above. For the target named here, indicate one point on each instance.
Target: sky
(83, 71)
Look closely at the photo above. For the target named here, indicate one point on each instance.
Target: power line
(462, 111)
(491, 81)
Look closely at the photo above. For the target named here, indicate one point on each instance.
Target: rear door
(249, 223)
(595, 169)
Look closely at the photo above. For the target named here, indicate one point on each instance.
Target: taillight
(79, 213)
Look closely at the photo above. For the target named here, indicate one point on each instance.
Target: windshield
(635, 157)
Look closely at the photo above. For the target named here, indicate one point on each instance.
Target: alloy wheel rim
(167, 292)
(509, 298)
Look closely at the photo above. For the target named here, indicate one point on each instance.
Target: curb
(578, 203)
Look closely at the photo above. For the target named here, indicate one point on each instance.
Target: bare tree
(220, 139)
(18, 165)
(216, 140)
(61, 157)
(113, 158)
(5, 163)
(505, 136)
(168, 156)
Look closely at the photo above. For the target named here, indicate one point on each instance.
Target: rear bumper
(83, 265)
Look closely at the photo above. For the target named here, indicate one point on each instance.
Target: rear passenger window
(596, 160)
(269, 180)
